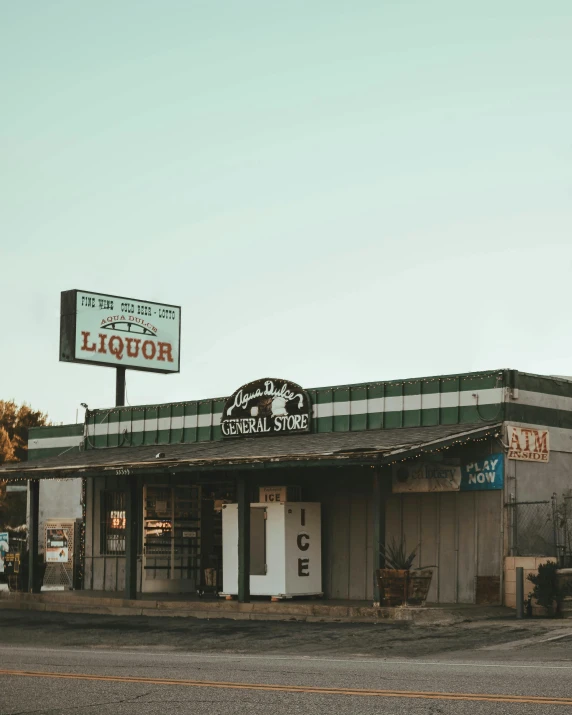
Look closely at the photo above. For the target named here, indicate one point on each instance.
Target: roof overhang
(335, 449)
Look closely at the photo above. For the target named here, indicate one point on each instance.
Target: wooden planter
(392, 586)
(399, 587)
(419, 584)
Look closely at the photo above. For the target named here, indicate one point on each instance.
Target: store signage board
(12, 564)
(266, 407)
(57, 548)
(426, 477)
(111, 331)
(484, 474)
(528, 444)
(4, 548)
(273, 495)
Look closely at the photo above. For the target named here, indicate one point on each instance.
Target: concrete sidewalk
(318, 610)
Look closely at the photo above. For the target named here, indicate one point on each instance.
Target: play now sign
(485, 474)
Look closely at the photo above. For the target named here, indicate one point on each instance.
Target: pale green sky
(333, 192)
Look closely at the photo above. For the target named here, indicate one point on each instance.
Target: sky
(333, 192)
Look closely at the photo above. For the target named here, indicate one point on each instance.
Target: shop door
(171, 539)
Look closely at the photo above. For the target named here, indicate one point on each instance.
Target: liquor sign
(266, 407)
(57, 547)
(108, 330)
(528, 444)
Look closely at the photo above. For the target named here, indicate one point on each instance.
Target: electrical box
(285, 549)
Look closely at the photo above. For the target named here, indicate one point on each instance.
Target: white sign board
(273, 494)
(528, 444)
(120, 332)
(426, 477)
(57, 547)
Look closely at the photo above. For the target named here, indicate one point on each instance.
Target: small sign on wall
(426, 477)
(486, 473)
(57, 547)
(4, 548)
(528, 444)
(278, 495)
(275, 495)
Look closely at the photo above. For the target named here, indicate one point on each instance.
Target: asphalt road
(528, 670)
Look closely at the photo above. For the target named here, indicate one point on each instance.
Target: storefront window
(113, 523)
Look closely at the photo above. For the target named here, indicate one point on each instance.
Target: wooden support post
(380, 490)
(132, 512)
(33, 537)
(243, 494)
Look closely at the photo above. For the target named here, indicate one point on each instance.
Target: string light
(81, 561)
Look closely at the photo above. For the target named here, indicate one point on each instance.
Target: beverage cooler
(285, 549)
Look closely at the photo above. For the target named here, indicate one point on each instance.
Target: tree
(6, 447)
(15, 422)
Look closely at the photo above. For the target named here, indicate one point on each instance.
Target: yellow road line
(420, 694)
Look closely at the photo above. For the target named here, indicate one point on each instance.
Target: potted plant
(399, 583)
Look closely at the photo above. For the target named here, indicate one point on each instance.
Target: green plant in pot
(399, 583)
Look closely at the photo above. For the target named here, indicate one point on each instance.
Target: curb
(68, 602)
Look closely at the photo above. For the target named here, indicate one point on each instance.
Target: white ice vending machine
(285, 549)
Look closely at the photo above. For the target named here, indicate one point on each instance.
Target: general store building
(434, 461)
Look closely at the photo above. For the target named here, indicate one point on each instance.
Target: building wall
(417, 402)
(533, 481)
(459, 534)
(496, 395)
(347, 533)
(54, 440)
(347, 539)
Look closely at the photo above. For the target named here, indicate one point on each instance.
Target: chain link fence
(533, 528)
(542, 528)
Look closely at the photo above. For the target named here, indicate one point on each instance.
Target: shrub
(546, 590)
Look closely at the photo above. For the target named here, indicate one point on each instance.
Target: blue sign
(485, 474)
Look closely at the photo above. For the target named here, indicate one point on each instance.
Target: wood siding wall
(459, 534)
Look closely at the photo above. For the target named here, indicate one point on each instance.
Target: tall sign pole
(120, 387)
(123, 333)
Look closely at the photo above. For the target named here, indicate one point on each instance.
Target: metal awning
(365, 448)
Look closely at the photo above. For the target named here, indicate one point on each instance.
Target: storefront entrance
(171, 539)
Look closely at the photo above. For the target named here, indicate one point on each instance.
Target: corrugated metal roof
(351, 447)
